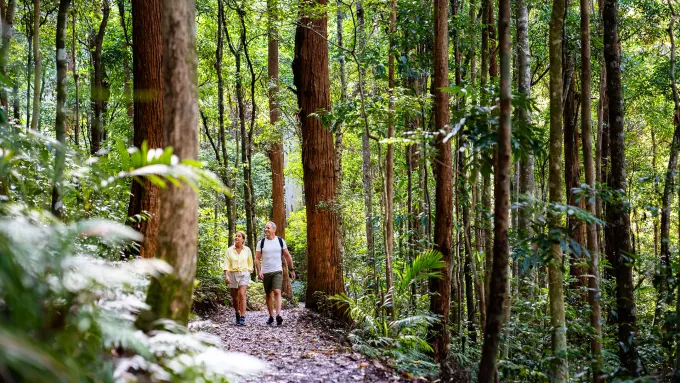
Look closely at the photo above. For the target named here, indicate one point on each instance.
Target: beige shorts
(238, 278)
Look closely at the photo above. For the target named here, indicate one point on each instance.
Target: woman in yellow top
(237, 268)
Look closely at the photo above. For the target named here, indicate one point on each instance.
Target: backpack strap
(262, 245)
(280, 244)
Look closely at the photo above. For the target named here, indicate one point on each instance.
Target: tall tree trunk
(311, 78)
(276, 148)
(127, 89)
(443, 172)
(589, 168)
(559, 339)
(667, 197)
(147, 61)
(618, 216)
(76, 132)
(170, 296)
(339, 147)
(98, 91)
(37, 65)
(572, 177)
(7, 26)
(499, 275)
(57, 207)
(526, 174)
(389, 167)
(224, 171)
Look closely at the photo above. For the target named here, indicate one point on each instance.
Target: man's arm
(289, 262)
(258, 255)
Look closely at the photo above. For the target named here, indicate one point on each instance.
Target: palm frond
(426, 265)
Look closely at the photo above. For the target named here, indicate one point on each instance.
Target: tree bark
(7, 26)
(619, 248)
(147, 61)
(389, 167)
(311, 78)
(76, 132)
(37, 65)
(276, 148)
(127, 90)
(98, 91)
(555, 277)
(57, 206)
(170, 296)
(589, 168)
(443, 173)
(501, 248)
(339, 147)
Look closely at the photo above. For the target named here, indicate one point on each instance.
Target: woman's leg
(242, 299)
(234, 300)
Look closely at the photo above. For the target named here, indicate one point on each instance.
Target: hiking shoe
(238, 318)
(279, 320)
(242, 321)
(270, 321)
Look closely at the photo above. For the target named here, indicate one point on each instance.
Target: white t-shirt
(271, 254)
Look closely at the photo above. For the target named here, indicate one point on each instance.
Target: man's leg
(277, 297)
(270, 303)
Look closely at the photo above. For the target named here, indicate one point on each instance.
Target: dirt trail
(305, 348)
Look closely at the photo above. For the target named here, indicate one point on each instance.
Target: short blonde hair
(243, 235)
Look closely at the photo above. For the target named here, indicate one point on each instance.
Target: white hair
(273, 225)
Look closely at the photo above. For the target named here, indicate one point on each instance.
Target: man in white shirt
(268, 254)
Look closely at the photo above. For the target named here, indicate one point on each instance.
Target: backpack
(280, 244)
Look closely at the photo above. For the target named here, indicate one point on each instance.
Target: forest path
(305, 348)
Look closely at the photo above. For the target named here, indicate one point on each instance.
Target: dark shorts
(273, 281)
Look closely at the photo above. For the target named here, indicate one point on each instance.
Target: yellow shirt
(238, 262)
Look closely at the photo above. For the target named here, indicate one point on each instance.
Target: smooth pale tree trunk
(127, 89)
(57, 207)
(7, 26)
(276, 148)
(500, 271)
(37, 67)
(555, 278)
(76, 131)
(311, 78)
(389, 168)
(589, 168)
(339, 147)
(147, 67)
(443, 173)
(526, 166)
(170, 296)
(619, 247)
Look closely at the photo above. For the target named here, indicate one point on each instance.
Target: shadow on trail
(305, 348)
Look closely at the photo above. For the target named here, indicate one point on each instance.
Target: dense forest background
(458, 181)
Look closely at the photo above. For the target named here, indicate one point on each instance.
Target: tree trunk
(555, 290)
(339, 133)
(572, 177)
(589, 168)
(37, 65)
(127, 90)
(501, 247)
(618, 216)
(389, 167)
(147, 60)
(76, 132)
(224, 171)
(667, 197)
(443, 172)
(311, 78)
(619, 249)
(170, 296)
(526, 166)
(98, 91)
(276, 148)
(7, 26)
(57, 207)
